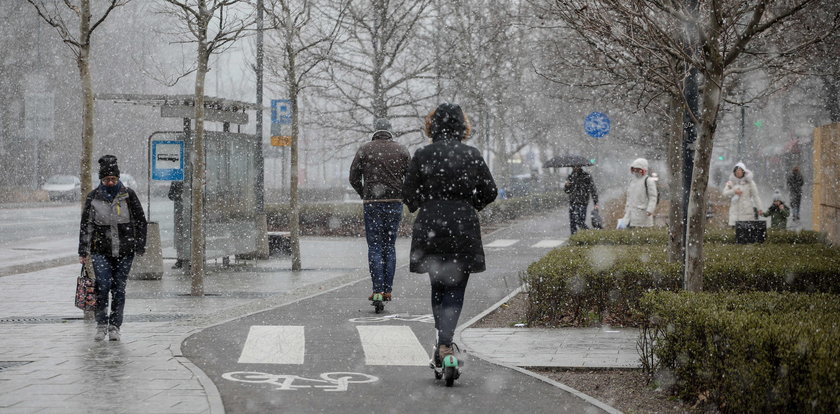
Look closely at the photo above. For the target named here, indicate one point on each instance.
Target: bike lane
(330, 353)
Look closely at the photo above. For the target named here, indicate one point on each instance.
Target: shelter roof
(210, 102)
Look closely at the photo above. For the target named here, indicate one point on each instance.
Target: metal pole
(260, 161)
(741, 137)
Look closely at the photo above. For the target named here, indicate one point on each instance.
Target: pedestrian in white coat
(745, 204)
(641, 197)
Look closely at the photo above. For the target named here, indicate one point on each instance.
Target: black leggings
(448, 286)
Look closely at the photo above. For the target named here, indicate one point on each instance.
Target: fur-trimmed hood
(748, 175)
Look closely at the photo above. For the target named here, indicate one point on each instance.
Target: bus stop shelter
(233, 218)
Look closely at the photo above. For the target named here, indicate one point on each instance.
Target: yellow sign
(281, 141)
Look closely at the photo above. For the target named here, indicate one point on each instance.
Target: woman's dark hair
(447, 120)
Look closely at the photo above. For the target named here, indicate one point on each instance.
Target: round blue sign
(597, 124)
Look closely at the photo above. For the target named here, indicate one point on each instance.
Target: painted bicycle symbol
(428, 318)
(336, 381)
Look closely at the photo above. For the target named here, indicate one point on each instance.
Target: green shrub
(754, 352)
(574, 281)
(659, 235)
(348, 218)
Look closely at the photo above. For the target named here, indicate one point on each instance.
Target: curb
(214, 398)
(600, 404)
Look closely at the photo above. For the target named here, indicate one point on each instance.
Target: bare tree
(304, 34)
(382, 70)
(732, 38)
(480, 64)
(54, 13)
(196, 16)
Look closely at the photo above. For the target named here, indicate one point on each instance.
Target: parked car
(62, 187)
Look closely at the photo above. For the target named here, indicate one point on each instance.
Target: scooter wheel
(449, 376)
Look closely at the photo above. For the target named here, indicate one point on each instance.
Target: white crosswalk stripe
(548, 243)
(268, 344)
(502, 243)
(392, 345)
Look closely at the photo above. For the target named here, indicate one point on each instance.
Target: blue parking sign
(281, 111)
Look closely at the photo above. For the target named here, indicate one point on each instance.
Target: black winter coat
(115, 228)
(448, 181)
(580, 188)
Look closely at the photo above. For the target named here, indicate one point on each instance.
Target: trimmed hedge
(659, 235)
(576, 284)
(348, 218)
(749, 353)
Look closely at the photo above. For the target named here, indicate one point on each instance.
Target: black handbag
(595, 219)
(754, 231)
(85, 291)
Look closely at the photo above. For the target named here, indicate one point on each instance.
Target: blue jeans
(577, 217)
(111, 278)
(382, 220)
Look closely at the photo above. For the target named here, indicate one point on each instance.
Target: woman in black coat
(449, 182)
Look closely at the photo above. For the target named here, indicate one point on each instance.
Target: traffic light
(720, 157)
(592, 160)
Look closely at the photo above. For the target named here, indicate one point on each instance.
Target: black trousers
(448, 286)
(577, 217)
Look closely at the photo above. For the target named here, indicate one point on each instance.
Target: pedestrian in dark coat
(794, 184)
(112, 231)
(377, 174)
(580, 187)
(449, 182)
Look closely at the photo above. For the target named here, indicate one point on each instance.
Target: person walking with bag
(377, 174)
(112, 231)
(642, 196)
(448, 182)
(580, 187)
(744, 205)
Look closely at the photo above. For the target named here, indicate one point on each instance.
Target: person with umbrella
(580, 187)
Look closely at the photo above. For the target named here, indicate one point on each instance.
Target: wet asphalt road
(333, 372)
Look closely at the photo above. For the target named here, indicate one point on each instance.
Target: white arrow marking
(548, 243)
(502, 243)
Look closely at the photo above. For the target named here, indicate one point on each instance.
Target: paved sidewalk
(49, 362)
(564, 348)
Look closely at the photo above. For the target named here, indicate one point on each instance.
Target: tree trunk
(197, 257)
(676, 227)
(294, 220)
(700, 177)
(83, 62)
(502, 159)
(832, 97)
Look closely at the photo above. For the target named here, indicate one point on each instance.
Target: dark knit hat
(382, 124)
(108, 167)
